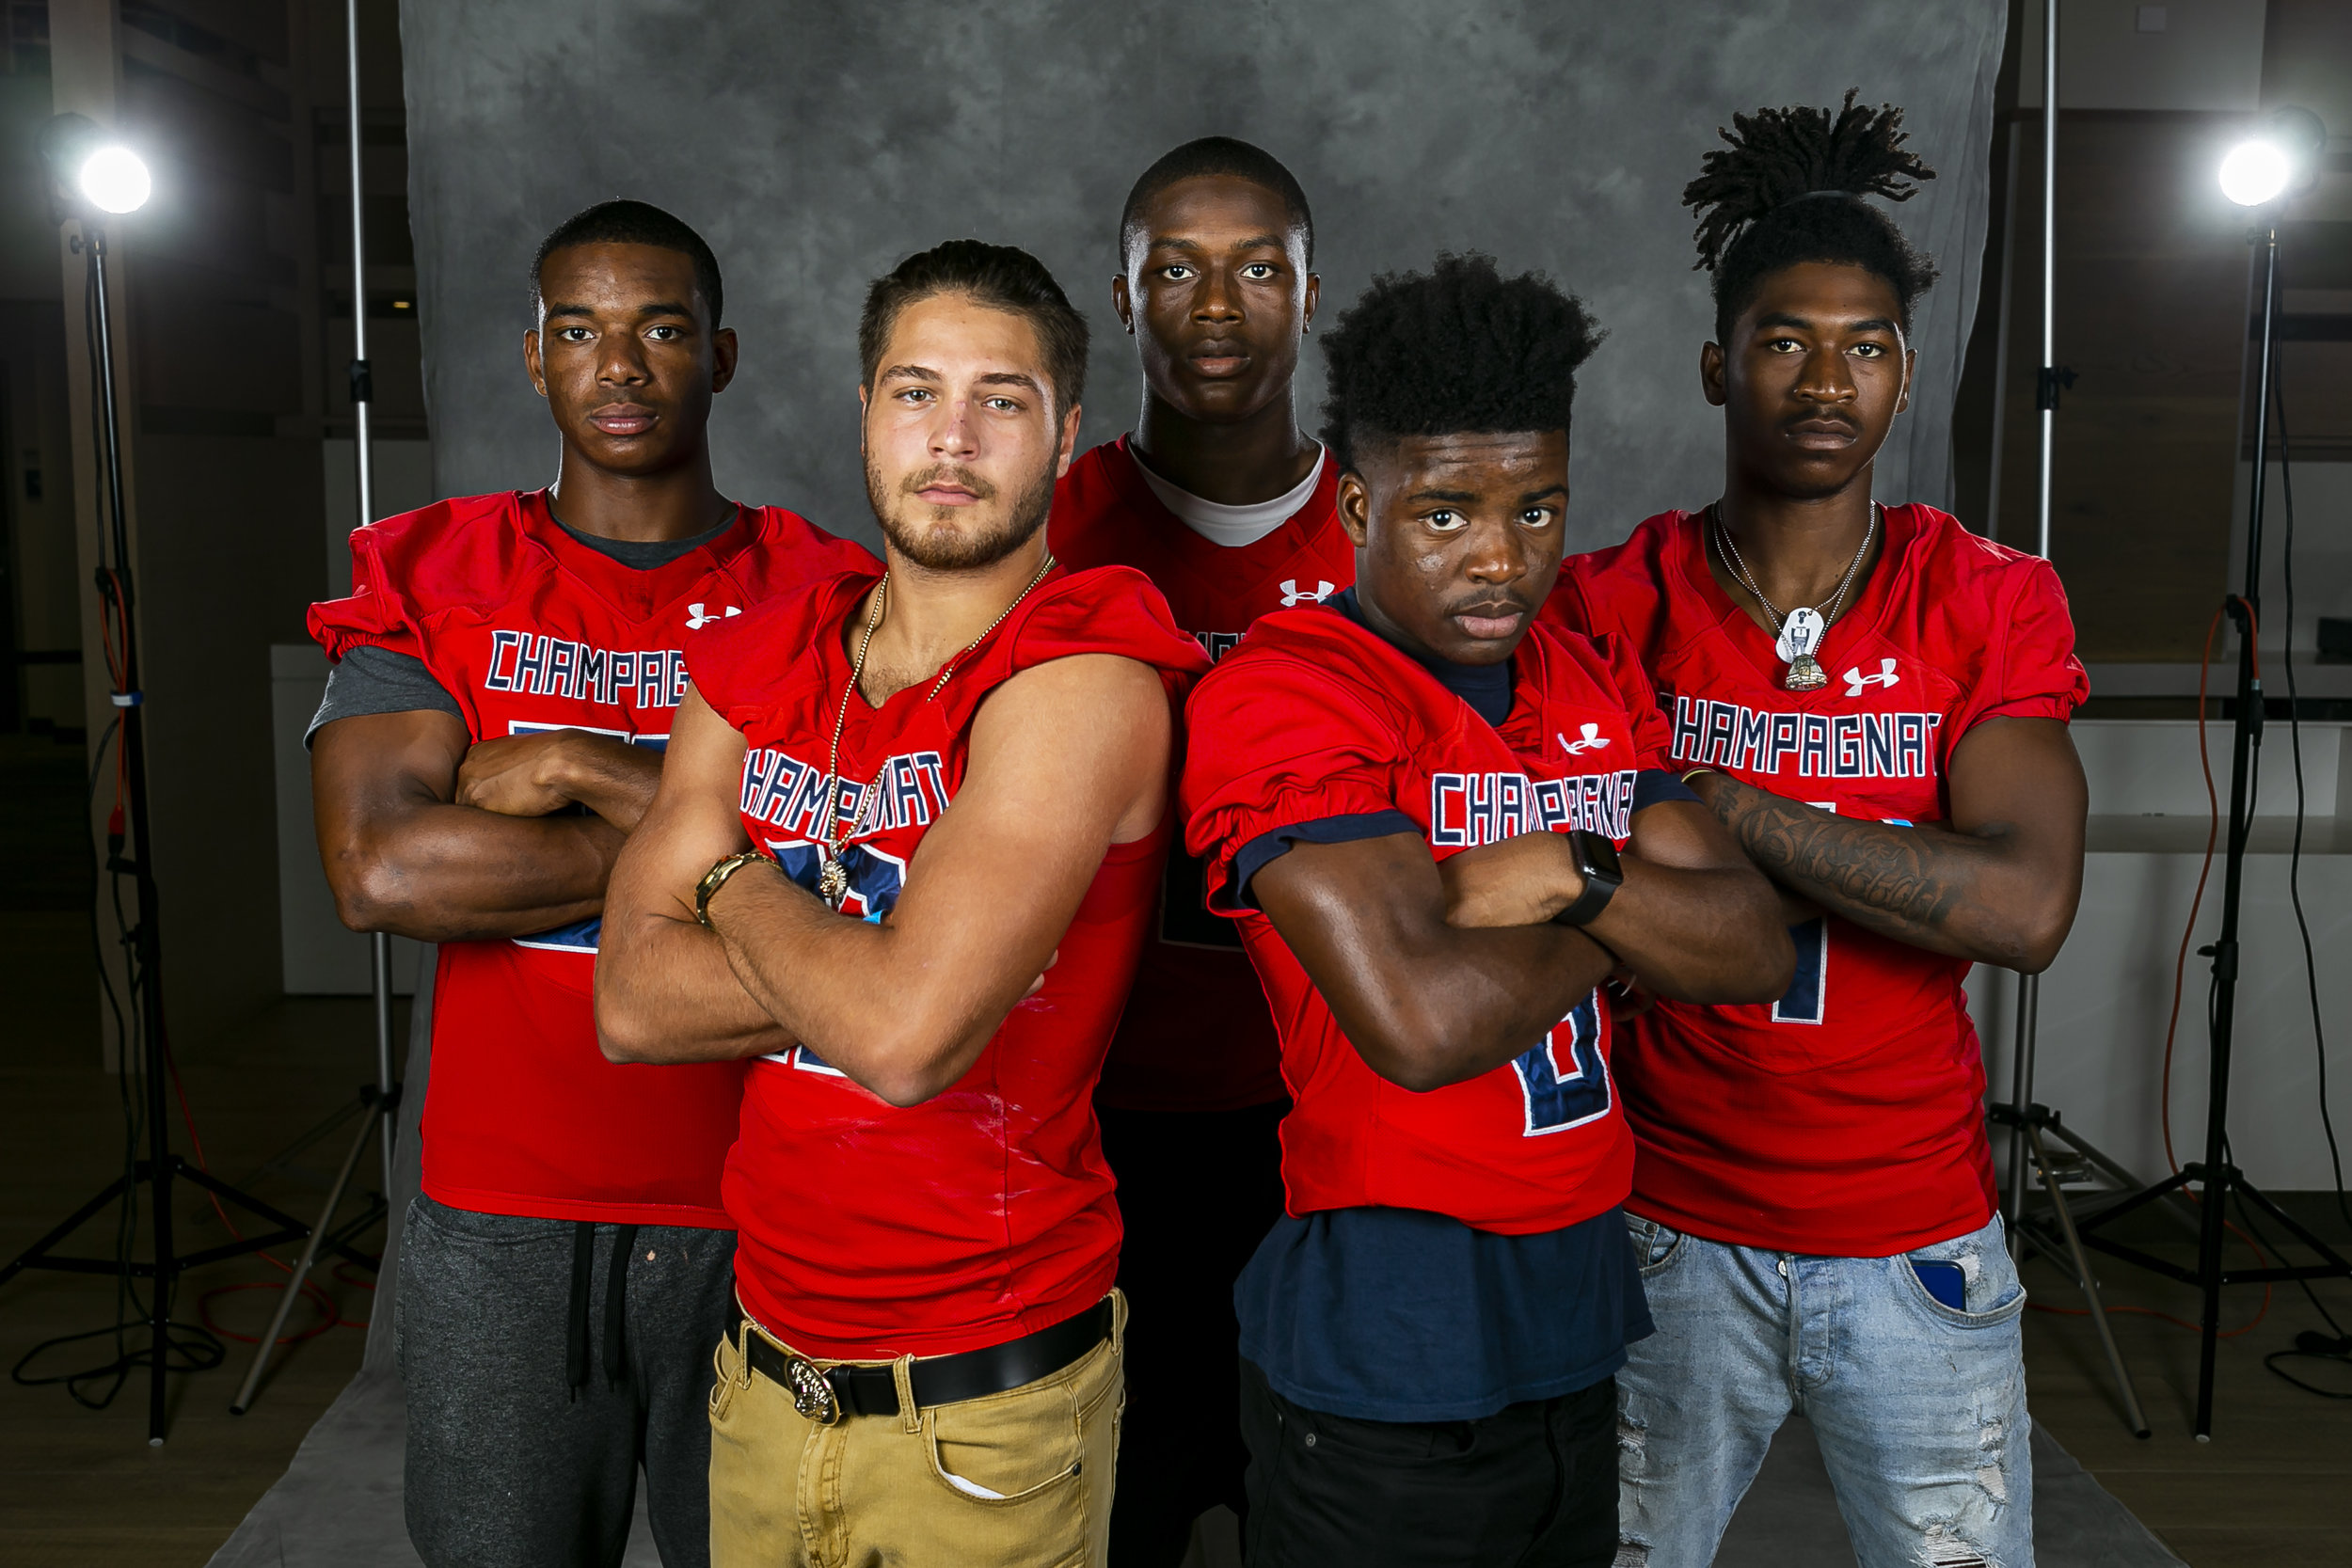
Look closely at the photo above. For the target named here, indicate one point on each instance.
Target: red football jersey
(1315, 717)
(528, 629)
(1848, 1117)
(1197, 1036)
(870, 1232)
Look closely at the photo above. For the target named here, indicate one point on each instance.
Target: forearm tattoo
(1905, 878)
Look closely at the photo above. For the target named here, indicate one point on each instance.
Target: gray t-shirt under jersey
(369, 679)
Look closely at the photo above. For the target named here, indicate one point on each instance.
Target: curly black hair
(1458, 348)
(1789, 190)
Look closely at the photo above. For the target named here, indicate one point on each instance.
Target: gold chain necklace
(832, 878)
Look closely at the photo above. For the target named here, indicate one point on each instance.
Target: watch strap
(1599, 887)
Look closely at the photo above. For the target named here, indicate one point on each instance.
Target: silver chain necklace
(1800, 631)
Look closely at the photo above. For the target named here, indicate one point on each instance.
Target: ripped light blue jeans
(1919, 1407)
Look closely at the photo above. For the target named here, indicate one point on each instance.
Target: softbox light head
(91, 173)
(2279, 160)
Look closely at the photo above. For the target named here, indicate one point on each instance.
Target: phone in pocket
(1944, 1282)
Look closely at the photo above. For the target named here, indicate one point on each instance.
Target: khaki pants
(1022, 1478)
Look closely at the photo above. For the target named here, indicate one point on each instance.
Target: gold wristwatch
(715, 878)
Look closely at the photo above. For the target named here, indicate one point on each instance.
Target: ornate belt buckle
(813, 1397)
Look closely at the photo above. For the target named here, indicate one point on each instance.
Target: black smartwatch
(1603, 873)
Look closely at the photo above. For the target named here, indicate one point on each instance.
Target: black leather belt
(825, 1395)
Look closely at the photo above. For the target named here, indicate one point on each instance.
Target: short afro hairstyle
(632, 223)
(997, 276)
(1219, 155)
(1457, 349)
(1789, 189)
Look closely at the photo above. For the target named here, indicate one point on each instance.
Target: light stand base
(2034, 1128)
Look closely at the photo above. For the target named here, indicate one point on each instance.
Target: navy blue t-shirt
(1403, 1315)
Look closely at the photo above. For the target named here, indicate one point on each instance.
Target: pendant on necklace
(1800, 635)
(832, 881)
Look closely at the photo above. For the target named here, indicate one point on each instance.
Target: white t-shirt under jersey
(1233, 526)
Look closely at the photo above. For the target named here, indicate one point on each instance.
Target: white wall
(2100, 1053)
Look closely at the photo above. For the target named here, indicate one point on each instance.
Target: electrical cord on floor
(2310, 1345)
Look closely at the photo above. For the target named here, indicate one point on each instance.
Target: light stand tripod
(72, 146)
(2216, 1179)
(2030, 1124)
(380, 1100)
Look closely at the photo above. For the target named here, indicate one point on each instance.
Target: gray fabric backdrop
(815, 145)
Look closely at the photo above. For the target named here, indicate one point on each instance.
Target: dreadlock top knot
(1786, 188)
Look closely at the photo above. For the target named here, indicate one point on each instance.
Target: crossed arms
(1998, 884)
(424, 835)
(1439, 973)
(1067, 759)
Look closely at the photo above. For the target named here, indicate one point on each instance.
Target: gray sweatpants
(528, 1419)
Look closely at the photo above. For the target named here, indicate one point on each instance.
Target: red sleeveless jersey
(1315, 717)
(1848, 1117)
(1197, 1036)
(870, 1232)
(529, 630)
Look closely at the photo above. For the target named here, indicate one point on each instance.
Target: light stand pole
(91, 179)
(2257, 175)
(2028, 1122)
(381, 1099)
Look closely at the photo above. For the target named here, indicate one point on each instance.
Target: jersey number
(1807, 996)
(1563, 1081)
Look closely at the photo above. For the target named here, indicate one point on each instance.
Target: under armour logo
(1294, 594)
(1856, 680)
(696, 620)
(1594, 740)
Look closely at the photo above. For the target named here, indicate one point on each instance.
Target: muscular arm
(405, 852)
(1425, 1003)
(665, 991)
(1067, 759)
(1694, 920)
(1998, 884)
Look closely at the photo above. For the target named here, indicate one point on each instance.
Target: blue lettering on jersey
(1466, 810)
(909, 789)
(536, 665)
(1823, 745)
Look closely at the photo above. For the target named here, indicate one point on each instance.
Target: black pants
(528, 1417)
(1533, 1485)
(1199, 1191)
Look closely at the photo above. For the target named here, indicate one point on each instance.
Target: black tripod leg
(31, 1256)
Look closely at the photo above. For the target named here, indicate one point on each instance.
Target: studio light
(115, 180)
(2283, 158)
(92, 176)
(2255, 173)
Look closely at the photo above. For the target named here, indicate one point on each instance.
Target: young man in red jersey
(1814, 1187)
(508, 667)
(968, 759)
(1230, 507)
(1442, 831)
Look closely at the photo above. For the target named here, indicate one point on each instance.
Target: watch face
(1600, 858)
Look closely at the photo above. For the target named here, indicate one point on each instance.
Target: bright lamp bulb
(2255, 172)
(115, 180)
